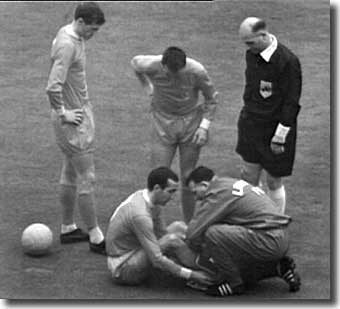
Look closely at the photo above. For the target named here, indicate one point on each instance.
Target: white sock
(96, 235)
(67, 228)
(279, 197)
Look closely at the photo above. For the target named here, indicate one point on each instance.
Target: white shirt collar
(269, 51)
(146, 196)
(70, 31)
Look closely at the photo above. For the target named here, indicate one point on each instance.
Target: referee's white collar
(269, 51)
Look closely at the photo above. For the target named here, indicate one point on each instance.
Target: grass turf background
(30, 160)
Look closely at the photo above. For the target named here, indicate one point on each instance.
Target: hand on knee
(177, 227)
(171, 242)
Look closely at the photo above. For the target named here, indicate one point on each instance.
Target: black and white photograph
(167, 151)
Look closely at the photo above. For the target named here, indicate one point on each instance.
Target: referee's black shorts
(253, 146)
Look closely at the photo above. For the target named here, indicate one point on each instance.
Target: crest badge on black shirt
(266, 89)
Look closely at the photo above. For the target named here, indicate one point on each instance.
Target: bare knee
(177, 227)
(171, 242)
(134, 271)
(132, 276)
(86, 182)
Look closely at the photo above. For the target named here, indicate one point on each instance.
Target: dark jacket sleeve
(291, 84)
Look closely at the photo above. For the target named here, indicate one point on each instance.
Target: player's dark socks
(77, 235)
(224, 289)
(288, 273)
(98, 248)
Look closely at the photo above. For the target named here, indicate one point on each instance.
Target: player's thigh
(247, 139)
(228, 246)
(251, 172)
(245, 244)
(163, 139)
(188, 157)
(273, 182)
(187, 126)
(135, 270)
(224, 234)
(162, 154)
(230, 240)
(68, 173)
(83, 162)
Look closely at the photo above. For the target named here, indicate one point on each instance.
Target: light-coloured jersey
(67, 87)
(135, 225)
(67, 72)
(234, 202)
(180, 95)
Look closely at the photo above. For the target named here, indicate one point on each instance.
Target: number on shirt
(257, 190)
(238, 187)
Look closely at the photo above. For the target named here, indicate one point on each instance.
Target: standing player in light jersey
(238, 229)
(74, 125)
(179, 119)
(137, 240)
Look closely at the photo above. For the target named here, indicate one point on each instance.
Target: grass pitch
(30, 160)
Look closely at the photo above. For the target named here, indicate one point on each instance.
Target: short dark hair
(90, 12)
(259, 25)
(174, 58)
(201, 173)
(160, 176)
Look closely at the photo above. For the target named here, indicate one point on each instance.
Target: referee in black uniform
(267, 123)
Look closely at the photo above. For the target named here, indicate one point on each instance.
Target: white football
(37, 239)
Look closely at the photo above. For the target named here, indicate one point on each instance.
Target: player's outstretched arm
(202, 277)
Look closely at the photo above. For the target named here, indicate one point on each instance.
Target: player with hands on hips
(179, 120)
(74, 116)
(73, 123)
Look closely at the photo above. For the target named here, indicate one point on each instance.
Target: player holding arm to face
(136, 239)
(267, 125)
(179, 119)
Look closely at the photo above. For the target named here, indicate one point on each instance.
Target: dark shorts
(253, 146)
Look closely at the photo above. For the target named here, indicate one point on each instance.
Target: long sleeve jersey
(273, 89)
(67, 88)
(67, 79)
(234, 202)
(178, 95)
(136, 224)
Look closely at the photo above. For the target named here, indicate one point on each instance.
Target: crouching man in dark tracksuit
(239, 234)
